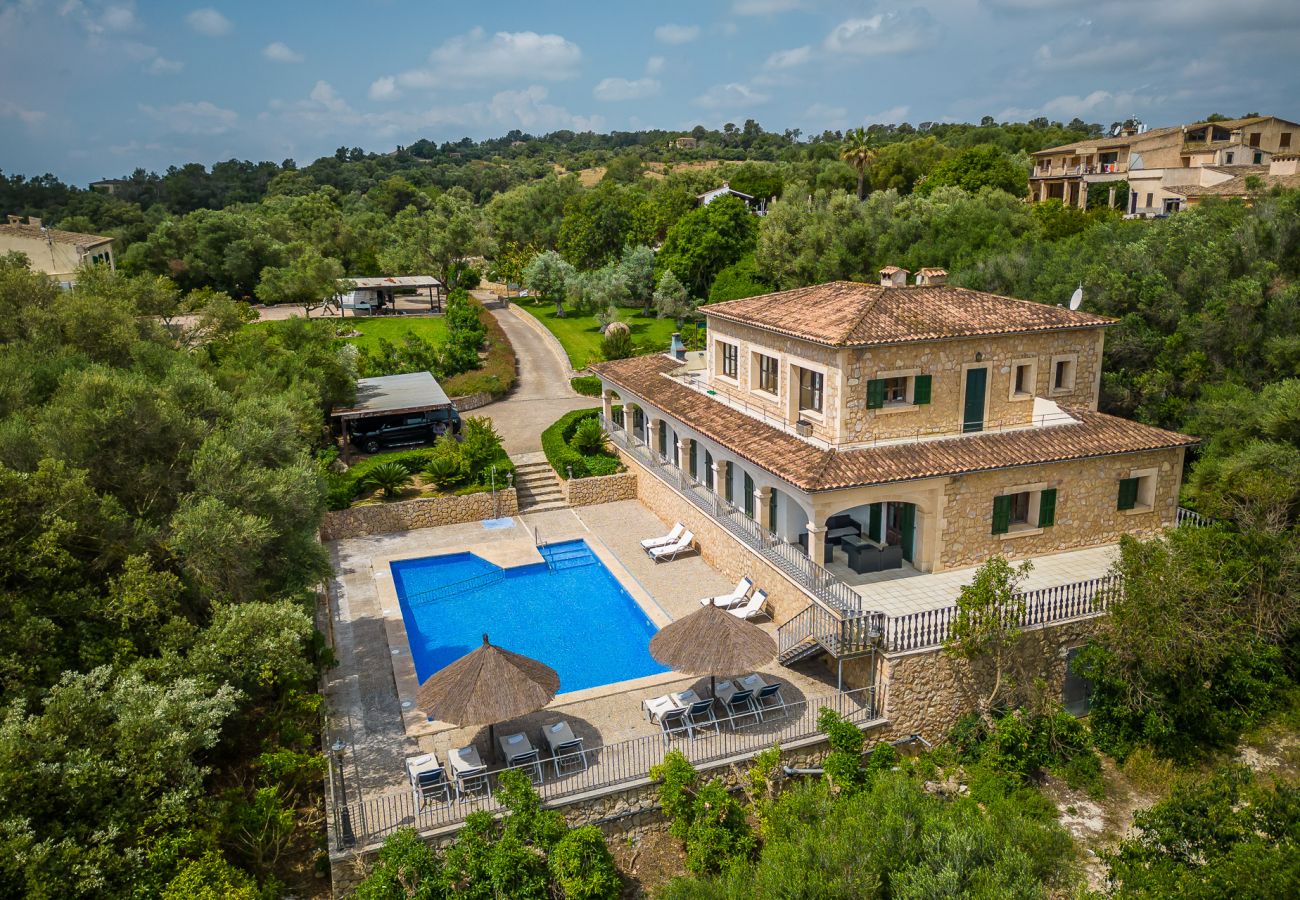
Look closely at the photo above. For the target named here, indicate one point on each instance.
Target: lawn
(394, 328)
(581, 336)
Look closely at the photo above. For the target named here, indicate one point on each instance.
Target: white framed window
(768, 369)
(1024, 510)
(811, 389)
(1024, 379)
(1137, 492)
(1063, 372)
(728, 360)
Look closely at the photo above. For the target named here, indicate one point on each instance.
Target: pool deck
(365, 692)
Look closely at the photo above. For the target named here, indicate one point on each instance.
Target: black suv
(371, 435)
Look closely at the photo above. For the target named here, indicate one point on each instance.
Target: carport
(374, 294)
(392, 395)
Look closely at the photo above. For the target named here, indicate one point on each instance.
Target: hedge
(496, 375)
(587, 385)
(561, 456)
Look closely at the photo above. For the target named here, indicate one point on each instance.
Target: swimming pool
(569, 612)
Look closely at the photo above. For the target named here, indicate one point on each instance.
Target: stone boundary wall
(471, 401)
(425, 512)
(720, 548)
(631, 811)
(600, 489)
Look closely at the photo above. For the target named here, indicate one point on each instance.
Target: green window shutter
(1002, 514)
(728, 486)
(695, 471)
(771, 512)
(1128, 493)
(749, 495)
(1047, 508)
(875, 393)
(921, 390)
(873, 524)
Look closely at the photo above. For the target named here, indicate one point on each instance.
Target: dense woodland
(161, 486)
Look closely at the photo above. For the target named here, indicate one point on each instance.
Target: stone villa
(53, 251)
(1159, 164)
(906, 427)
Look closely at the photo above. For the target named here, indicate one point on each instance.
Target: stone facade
(426, 512)
(601, 489)
(472, 401)
(947, 363)
(719, 548)
(1086, 513)
(929, 690)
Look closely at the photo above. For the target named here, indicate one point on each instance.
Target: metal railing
(609, 766)
(475, 582)
(1044, 606)
(1191, 518)
(791, 559)
(841, 637)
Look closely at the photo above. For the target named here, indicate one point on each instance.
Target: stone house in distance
(947, 423)
(54, 252)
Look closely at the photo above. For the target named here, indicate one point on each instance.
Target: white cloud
(161, 66)
(324, 94)
(1068, 106)
(623, 89)
(201, 118)
(527, 109)
(881, 34)
(384, 89)
(730, 96)
(118, 18)
(1081, 47)
(474, 58)
(892, 116)
(11, 110)
(764, 7)
(677, 34)
(207, 21)
(823, 115)
(278, 51)
(787, 59)
(654, 65)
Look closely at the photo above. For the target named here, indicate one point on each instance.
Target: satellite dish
(1076, 299)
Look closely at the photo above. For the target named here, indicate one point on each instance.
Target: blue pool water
(568, 612)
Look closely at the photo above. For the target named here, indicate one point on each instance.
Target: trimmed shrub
(588, 438)
(587, 385)
(582, 867)
(562, 455)
(617, 344)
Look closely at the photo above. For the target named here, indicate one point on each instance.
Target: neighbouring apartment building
(52, 251)
(1158, 163)
(921, 426)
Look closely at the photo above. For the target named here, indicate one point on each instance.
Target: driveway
(541, 394)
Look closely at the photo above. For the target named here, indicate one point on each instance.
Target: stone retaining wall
(601, 489)
(426, 512)
(472, 401)
(720, 548)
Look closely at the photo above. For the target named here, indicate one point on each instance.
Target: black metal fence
(362, 822)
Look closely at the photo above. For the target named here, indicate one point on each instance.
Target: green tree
(547, 277)
(859, 152)
(636, 270)
(435, 240)
(987, 625)
(391, 478)
(707, 240)
(984, 165)
(407, 869)
(671, 299)
(308, 280)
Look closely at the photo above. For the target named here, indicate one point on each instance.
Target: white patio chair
(737, 595)
(670, 551)
(751, 608)
(666, 539)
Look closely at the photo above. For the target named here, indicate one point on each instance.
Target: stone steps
(538, 489)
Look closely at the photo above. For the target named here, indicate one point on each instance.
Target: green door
(907, 528)
(973, 409)
(749, 496)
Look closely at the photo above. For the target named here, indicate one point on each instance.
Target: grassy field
(394, 328)
(581, 336)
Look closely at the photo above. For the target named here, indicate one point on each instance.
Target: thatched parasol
(712, 640)
(488, 686)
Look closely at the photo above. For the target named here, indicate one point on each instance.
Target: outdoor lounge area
(399, 767)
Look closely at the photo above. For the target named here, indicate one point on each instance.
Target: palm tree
(390, 478)
(858, 152)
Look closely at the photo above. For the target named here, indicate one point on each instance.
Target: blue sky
(93, 88)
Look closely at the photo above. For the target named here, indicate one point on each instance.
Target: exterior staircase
(538, 488)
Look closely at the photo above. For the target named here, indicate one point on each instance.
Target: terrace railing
(1043, 606)
(789, 558)
(609, 767)
(1191, 518)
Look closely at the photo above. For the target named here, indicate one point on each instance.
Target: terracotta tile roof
(811, 468)
(1236, 187)
(851, 314)
(35, 232)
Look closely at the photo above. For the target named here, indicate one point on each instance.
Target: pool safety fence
(358, 822)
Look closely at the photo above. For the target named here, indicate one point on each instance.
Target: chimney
(678, 349)
(33, 221)
(15, 220)
(932, 277)
(1284, 164)
(893, 276)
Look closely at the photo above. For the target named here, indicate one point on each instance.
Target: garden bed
(568, 460)
(580, 335)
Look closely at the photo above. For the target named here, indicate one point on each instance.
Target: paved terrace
(375, 674)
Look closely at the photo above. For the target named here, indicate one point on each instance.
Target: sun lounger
(428, 779)
(669, 714)
(566, 748)
(469, 771)
(737, 702)
(751, 608)
(668, 538)
(670, 551)
(763, 692)
(737, 595)
(517, 752)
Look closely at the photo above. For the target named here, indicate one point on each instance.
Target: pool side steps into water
(560, 556)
